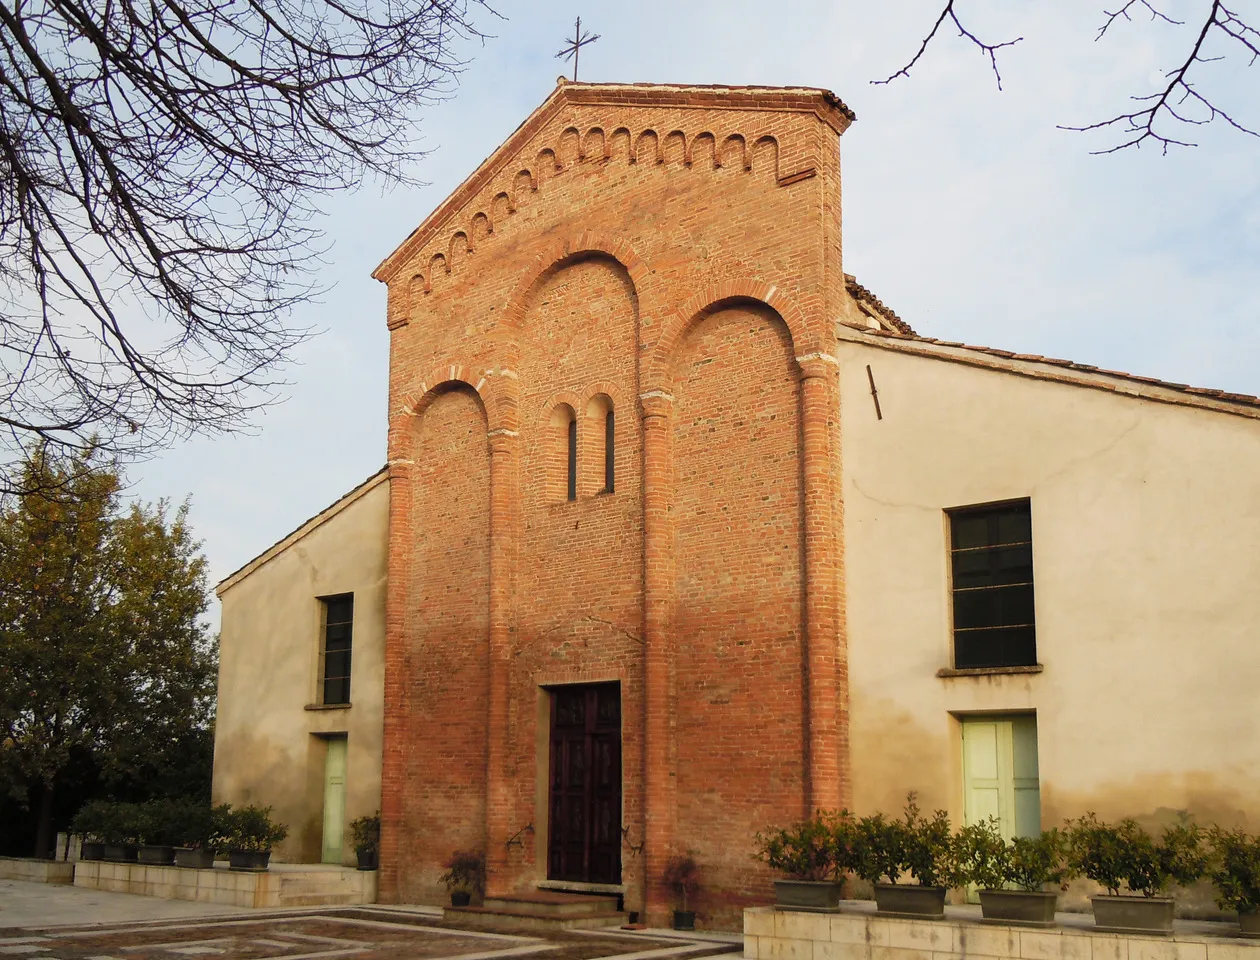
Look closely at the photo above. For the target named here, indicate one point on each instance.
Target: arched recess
(657, 373)
(560, 452)
(599, 447)
(440, 562)
(738, 590)
(554, 257)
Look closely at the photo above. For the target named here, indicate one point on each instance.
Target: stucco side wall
(1146, 553)
(268, 747)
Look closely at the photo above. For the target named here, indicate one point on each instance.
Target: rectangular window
(335, 652)
(991, 558)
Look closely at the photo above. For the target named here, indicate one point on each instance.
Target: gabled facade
(688, 533)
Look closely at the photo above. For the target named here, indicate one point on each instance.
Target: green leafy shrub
(1236, 870)
(885, 850)
(1036, 861)
(1123, 853)
(465, 870)
(92, 821)
(248, 829)
(982, 855)
(819, 848)
(367, 833)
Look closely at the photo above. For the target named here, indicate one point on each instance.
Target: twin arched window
(594, 472)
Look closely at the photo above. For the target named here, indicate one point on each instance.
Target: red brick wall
(444, 806)
(573, 267)
(739, 631)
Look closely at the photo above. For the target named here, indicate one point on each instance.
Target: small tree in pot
(159, 826)
(1026, 863)
(367, 840)
(1236, 873)
(682, 876)
(465, 875)
(919, 846)
(1125, 855)
(90, 824)
(122, 828)
(200, 825)
(248, 834)
(813, 854)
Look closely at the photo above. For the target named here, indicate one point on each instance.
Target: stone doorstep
(546, 903)
(485, 918)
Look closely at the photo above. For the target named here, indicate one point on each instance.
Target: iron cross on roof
(579, 40)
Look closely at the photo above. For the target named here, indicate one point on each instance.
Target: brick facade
(671, 254)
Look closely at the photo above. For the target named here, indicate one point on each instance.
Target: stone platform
(36, 871)
(541, 910)
(859, 933)
(283, 885)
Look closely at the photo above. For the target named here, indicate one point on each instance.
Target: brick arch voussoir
(608, 389)
(560, 251)
(495, 393)
(659, 374)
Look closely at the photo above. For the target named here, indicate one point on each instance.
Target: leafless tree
(1158, 117)
(161, 166)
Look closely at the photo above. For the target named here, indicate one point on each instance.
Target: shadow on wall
(249, 769)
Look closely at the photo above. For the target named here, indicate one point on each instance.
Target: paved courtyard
(369, 933)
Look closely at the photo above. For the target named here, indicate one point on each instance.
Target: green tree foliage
(103, 652)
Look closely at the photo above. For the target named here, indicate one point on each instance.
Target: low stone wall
(858, 933)
(36, 871)
(284, 885)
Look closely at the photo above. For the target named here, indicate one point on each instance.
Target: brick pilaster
(658, 589)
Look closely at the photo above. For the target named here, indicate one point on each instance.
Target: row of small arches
(648, 147)
(582, 454)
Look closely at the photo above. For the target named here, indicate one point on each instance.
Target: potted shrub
(1030, 864)
(249, 836)
(121, 831)
(1236, 873)
(812, 853)
(682, 876)
(158, 824)
(198, 825)
(885, 851)
(367, 840)
(89, 823)
(465, 875)
(1123, 853)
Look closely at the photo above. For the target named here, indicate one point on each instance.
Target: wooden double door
(584, 828)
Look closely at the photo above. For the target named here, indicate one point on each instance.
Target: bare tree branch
(161, 164)
(1179, 101)
(989, 49)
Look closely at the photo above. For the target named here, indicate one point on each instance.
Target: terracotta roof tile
(1226, 396)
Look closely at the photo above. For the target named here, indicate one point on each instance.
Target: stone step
(548, 903)
(499, 918)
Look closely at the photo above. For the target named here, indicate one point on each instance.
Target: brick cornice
(823, 104)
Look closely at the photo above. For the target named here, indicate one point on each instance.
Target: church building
(682, 533)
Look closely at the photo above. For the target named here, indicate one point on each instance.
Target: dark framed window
(571, 493)
(991, 561)
(609, 459)
(335, 649)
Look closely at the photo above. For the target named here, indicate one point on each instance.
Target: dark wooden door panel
(584, 836)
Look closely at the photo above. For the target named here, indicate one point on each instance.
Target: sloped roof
(1249, 404)
(302, 529)
(823, 103)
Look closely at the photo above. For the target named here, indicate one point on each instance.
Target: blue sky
(965, 210)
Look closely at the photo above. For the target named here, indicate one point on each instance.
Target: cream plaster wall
(267, 743)
(1146, 554)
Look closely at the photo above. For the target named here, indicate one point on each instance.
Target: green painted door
(334, 799)
(1000, 775)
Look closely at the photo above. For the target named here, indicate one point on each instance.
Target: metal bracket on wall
(515, 840)
(634, 850)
